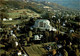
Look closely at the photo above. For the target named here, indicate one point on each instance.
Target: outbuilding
(4, 19)
(10, 19)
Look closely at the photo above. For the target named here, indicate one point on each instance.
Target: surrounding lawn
(35, 50)
(13, 22)
(14, 15)
(18, 13)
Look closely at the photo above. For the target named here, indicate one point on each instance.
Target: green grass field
(18, 13)
(14, 15)
(35, 50)
(13, 22)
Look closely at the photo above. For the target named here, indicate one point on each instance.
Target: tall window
(41, 24)
(44, 24)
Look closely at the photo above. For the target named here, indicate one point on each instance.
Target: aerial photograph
(39, 27)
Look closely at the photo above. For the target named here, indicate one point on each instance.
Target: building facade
(43, 24)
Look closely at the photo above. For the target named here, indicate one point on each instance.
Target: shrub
(30, 33)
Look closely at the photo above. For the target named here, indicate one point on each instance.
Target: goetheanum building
(43, 24)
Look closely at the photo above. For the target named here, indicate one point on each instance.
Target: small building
(11, 32)
(37, 37)
(14, 35)
(14, 44)
(10, 19)
(18, 27)
(43, 24)
(64, 24)
(24, 55)
(59, 46)
(4, 19)
(19, 53)
(71, 31)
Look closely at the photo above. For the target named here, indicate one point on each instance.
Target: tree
(77, 18)
(2, 2)
(77, 52)
(54, 52)
(3, 15)
(28, 39)
(51, 34)
(65, 53)
(46, 35)
(30, 33)
(47, 15)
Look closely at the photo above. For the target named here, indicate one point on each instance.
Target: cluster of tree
(3, 11)
(47, 15)
(38, 10)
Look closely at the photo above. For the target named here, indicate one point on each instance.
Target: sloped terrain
(35, 6)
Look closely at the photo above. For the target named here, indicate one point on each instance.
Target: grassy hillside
(35, 6)
(23, 12)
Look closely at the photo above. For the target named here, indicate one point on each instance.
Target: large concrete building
(43, 24)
